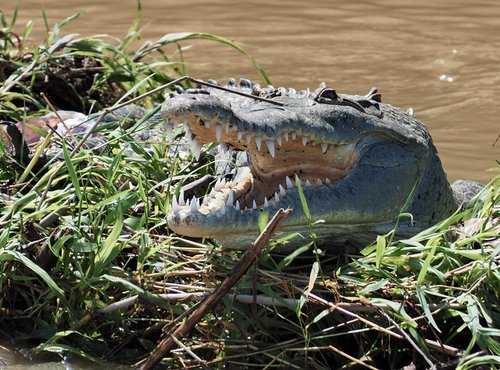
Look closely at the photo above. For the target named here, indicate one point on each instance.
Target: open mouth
(358, 162)
(275, 164)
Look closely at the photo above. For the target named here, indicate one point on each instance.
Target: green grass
(91, 72)
(86, 254)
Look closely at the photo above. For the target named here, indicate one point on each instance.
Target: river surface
(440, 57)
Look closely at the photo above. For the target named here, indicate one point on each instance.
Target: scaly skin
(359, 160)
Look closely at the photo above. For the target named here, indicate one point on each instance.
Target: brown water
(441, 57)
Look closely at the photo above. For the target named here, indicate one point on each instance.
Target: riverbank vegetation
(89, 267)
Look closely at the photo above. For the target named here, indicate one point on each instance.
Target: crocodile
(359, 163)
(362, 166)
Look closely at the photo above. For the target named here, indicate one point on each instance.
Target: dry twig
(248, 258)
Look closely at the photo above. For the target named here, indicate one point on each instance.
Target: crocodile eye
(327, 95)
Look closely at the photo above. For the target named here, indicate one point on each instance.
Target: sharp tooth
(304, 140)
(282, 190)
(239, 135)
(227, 127)
(230, 199)
(272, 149)
(223, 148)
(169, 129)
(289, 184)
(319, 182)
(194, 205)
(206, 123)
(258, 142)
(276, 198)
(285, 135)
(182, 202)
(174, 206)
(223, 210)
(308, 183)
(278, 140)
(266, 203)
(254, 205)
(195, 148)
(294, 135)
(218, 131)
(249, 137)
(324, 147)
(237, 206)
(328, 181)
(219, 184)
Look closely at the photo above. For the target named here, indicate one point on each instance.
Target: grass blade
(72, 172)
(19, 257)
(110, 248)
(423, 302)
(380, 249)
(425, 266)
(303, 200)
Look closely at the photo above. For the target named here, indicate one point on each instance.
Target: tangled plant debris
(89, 267)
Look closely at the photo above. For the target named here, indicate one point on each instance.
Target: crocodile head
(358, 162)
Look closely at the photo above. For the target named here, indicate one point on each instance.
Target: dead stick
(248, 258)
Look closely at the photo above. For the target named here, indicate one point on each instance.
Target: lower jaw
(216, 218)
(211, 221)
(334, 239)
